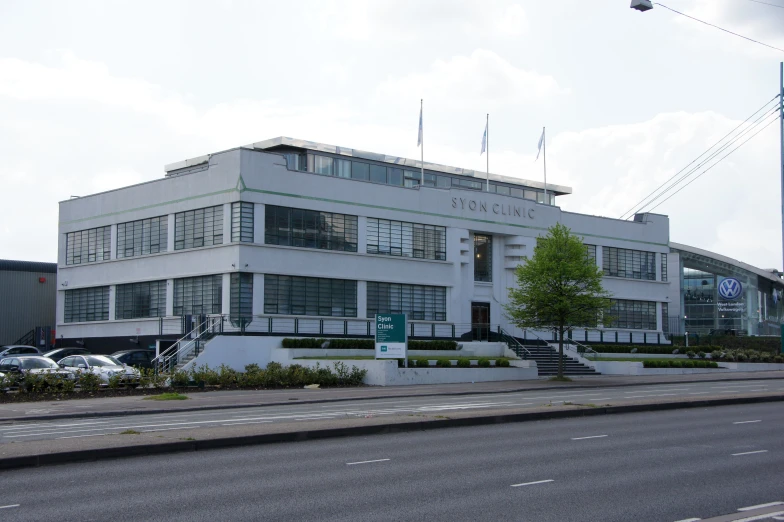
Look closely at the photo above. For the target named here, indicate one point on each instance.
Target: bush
(676, 363)
(422, 363)
(690, 354)
(713, 364)
(504, 363)
(484, 362)
(715, 355)
(88, 381)
(778, 359)
(701, 355)
(463, 363)
(362, 344)
(443, 363)
(688, 364)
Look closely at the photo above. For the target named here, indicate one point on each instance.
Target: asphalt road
(15, 432)
(658, 466)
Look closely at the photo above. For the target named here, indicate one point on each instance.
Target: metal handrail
(518, 345)
(163, 361)
(585, 347)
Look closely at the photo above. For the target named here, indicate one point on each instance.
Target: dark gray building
(28, 296)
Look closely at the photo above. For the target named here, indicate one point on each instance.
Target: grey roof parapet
(27, 266)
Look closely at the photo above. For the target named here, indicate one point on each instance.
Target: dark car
(62, 353)
(136, 358)
(17, 349)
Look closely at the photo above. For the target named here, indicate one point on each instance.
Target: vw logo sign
(730, 289)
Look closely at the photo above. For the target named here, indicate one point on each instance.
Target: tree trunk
(560, 351)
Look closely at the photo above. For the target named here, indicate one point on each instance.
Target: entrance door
(480, 321)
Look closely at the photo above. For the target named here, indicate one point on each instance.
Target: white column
(170, 233)
(258, 225)
(112, 292)
(258, 294)
(361, 299)
(113, 253)
(659, 324)
(226, 294)
(362, 235)
(169, 297)
(226, 223)
(599, 256)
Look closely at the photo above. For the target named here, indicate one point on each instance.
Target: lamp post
(642, 5)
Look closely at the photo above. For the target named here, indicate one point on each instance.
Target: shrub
(463, 363)
(690, 354)
(688, 364)
(701, 355)
(443, 363)
(115, 381)
(362, 344)
(502, 362)
(741, 357)
(778, 359)
(252, 368)
(179, 378)
(484, 362)
(676, 363)
(422, 363)
(714, 364)
(88, 381)
(715, 355)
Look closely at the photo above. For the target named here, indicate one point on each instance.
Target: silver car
(16, 368)
(104, 366)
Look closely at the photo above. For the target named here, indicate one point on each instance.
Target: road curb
(122, 413)
(93, 455)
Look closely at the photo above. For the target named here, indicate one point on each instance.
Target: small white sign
(390, 350)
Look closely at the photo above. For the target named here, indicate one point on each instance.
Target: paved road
(658, 466)
(185, 422)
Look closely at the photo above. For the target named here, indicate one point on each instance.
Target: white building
(319, 238)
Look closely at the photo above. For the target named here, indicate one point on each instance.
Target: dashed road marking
(366, 462)
(760, 506)
(531, 483)
(747, 422)
(591, 437)
(749, 453)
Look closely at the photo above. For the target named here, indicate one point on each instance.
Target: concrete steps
(546, 358)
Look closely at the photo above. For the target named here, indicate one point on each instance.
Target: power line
(720, 28)
(724, 147)
(766, 3)
(643, 200)
(773, 120)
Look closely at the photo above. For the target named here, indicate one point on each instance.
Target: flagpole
(487, 147)
(422, 181)
(544, 145)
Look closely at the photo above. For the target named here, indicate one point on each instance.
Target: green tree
(559, 288)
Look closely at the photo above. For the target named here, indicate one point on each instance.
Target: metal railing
(580, 349)
(192, 343)
(27, 339)
(513, 344)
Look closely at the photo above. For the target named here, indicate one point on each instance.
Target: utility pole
(781, 145)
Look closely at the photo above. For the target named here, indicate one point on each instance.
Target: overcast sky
(100, 95)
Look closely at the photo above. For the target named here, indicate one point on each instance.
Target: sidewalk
(215, 400)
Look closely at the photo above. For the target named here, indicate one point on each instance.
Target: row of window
(632, 264)
(398, 238)
(353, 169)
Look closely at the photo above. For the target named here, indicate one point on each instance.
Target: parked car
(62, 353)
(17, 349)
(17, 367)
(104, 366)
(135, 358)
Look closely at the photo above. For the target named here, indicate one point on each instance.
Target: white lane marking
(366, 462)
(740, 386)
(249, 422)
(591, 437)
(167, 429)
(531, 483)
(760, 506)
(698, 393)
(747, 422)
(749, 453)
(689, 520)
(49, 426)
(80, 436)
(10, 506)
(654, 395)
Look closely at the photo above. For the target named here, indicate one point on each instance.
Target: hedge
(652, 349)
(680, 363)
(363, 344)
(729, 342)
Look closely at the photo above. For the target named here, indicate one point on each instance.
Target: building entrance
(480, 321)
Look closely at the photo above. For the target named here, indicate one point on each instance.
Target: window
(88, 246)
(343, 168)
(430, 180)
(198, 228)
(137, 300)
(516, 192)
(142, 237)
(378, 174)
(323, 165)
(467, 183)
(360, 170)
(590, 251)
(501, 189)
(310, 229)
(296, 160)
(412, 179)
(396, 238)
(530, 194)
(443, 181)
(483, 258)
(241, 300)
(636, 315)
(664, 267)
(632, 264)
(395, 176)
(198, 295)
(665, 317)
(242, 222)
(309, 296)
(426, 303)
(87, 304)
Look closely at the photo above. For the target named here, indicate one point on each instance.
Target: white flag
(541, 140)
(419, 140)
(484, 141)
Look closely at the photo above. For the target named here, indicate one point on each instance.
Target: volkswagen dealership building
(289, 236)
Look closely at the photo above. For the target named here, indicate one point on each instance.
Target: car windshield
(52, 353)
(102, 360)
(29, 364)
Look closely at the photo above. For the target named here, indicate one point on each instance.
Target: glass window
(378, 174)
(198, 295)
(397, 238)
(501, 189)
(635, 315)
(430, 180)
(360, 170)
(443, 181)
(412, 179)
(137, 300)
(241, 297)
(425, 303)
(483, 257)
(343, 168)
(296, 160)
(323, 165)
(86, 304)
(665, 317)
(631, 264)
(142, 237)
(310, 229)
(291, 295)
(242, 222)
(590, 250)
(664, 267)
(395, 176)
(88, 246)
(198, 228)
(530, 194)
(516, 192)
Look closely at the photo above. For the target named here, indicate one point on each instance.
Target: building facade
(29, 292)
(289, 232)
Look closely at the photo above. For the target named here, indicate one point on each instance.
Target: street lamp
(642, 5)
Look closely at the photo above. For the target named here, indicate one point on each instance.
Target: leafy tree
(559, 288)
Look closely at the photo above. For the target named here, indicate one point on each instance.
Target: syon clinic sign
(391, 336)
